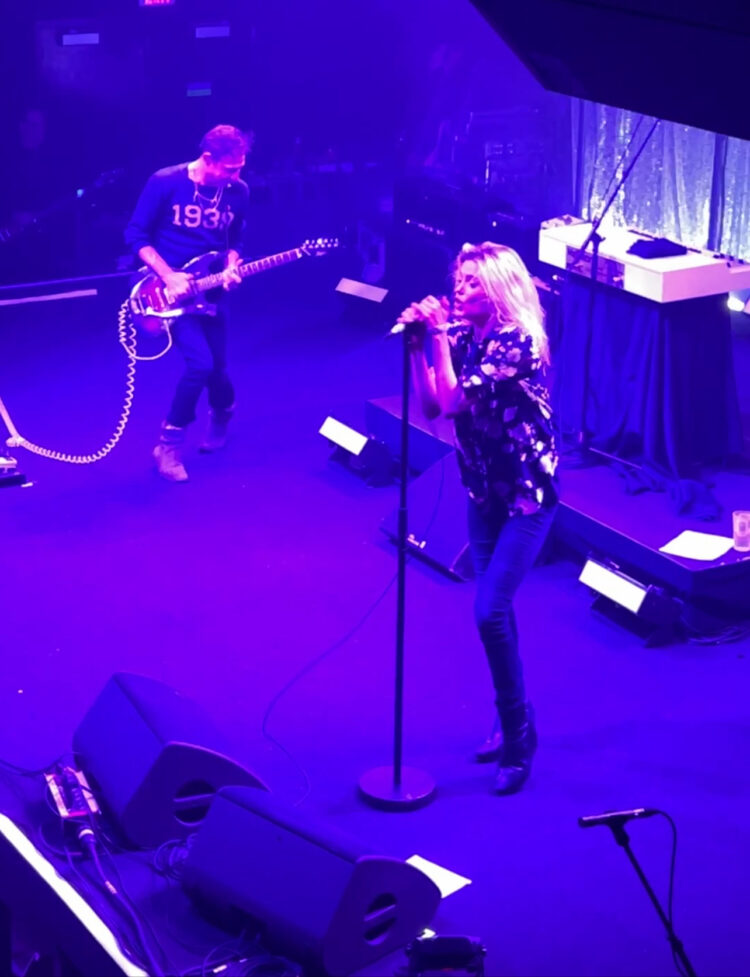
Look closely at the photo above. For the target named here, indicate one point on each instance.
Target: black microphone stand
(582, 438)
(621, 837)
(400, 788)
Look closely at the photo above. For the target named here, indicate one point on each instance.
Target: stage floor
(226, 587)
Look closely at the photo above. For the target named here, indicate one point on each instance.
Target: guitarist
(184, 211)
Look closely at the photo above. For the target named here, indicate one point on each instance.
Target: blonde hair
(509, 287)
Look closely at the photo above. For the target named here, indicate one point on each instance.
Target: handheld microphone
(616, 817)
(402, 327)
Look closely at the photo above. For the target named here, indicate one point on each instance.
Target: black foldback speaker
(321, 898)
(436, 531)
(156, 758)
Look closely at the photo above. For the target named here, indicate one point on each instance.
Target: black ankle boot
(519, 746)
(491, 749)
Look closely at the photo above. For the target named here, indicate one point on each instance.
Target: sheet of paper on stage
(448, 882)
(698, 546)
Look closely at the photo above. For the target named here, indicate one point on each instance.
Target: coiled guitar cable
(127, 337)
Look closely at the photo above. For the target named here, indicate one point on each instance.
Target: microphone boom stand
(582, 436)
(621, 837)
(399, 788)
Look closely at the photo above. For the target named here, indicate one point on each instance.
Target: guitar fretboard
(250, 268)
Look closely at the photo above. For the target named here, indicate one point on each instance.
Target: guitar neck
(250, 268)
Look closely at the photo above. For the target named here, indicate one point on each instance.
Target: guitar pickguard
(148, 300)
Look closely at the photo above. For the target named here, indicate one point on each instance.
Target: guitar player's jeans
(202, 340)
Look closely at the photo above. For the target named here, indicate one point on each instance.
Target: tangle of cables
(127, 337)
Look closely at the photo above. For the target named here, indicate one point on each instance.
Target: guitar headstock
(315, 247)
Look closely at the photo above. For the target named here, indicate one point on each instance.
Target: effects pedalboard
(9, 473)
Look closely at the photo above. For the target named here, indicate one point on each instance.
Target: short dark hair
(225, 141)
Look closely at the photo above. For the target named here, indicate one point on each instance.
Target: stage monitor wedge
(683, 61)
(154, 758)
(322, 898)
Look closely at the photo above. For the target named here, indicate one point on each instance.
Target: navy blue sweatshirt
(182, 219)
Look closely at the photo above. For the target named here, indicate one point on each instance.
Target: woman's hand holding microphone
(431, 315)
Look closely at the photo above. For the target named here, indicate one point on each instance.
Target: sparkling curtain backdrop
(689, 184)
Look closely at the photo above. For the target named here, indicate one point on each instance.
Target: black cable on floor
(670, 896)
(311, 665)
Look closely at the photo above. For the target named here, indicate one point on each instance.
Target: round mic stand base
(379, 788)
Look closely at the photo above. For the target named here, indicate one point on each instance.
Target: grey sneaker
(168, 454)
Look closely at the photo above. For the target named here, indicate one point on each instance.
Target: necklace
(213, 202)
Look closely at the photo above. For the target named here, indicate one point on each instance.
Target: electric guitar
(151, 308)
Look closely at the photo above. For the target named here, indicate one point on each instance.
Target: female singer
(488, 350)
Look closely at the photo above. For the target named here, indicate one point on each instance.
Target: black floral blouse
(506, 444)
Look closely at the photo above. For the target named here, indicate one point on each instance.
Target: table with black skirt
(660, 386)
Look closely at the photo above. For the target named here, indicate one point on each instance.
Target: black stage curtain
(660, 387)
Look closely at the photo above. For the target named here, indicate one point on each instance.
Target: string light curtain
(689, 184)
